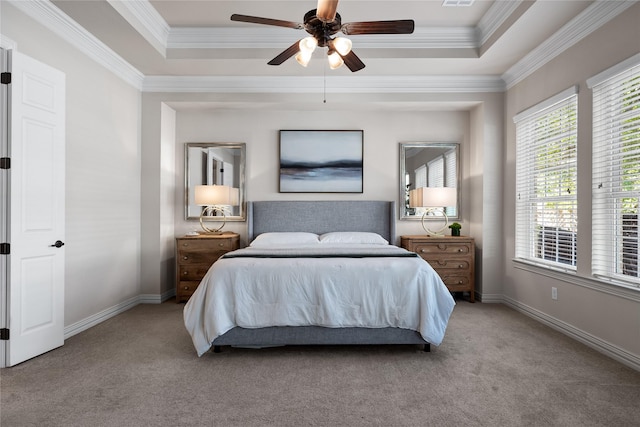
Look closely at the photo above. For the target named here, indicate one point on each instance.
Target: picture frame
(321, 161)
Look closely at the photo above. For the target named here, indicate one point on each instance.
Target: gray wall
(593, 312)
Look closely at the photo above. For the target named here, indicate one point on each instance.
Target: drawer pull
(422, 250)
(221, 244)
(186, 288)
(186, 257)
(185, 273)
(460, 266)
(459, 282)
(460, 250)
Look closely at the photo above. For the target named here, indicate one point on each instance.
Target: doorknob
(57, 244)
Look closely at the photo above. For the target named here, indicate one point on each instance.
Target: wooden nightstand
(453, 258)
(194, 256)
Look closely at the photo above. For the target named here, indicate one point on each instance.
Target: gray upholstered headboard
(322, 217)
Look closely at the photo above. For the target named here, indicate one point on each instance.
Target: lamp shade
(433, 197)
(211, 195)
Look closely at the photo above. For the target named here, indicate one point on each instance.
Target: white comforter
(373, 292)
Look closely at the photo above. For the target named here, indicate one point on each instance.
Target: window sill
(570, 276)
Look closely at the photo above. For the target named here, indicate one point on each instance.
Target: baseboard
(110, 312)
(93, 320)
(629, 359)
(157, 299)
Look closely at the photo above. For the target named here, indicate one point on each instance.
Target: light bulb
(303, 57)
(308, 44)
(335, 60)
(342, 45)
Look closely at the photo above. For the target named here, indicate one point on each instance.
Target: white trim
(47, 14)
(489, 298)
(547, 103)
(274, 37)
(157, 298)
(7, 43)
(494, 18)
(608, 349)
(113, 311)
(100, 317)
(146, 20)
(589, 20)
(315, 84)
(614, 71)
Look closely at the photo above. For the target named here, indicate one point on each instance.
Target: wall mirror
(214, 163)
(428, 164)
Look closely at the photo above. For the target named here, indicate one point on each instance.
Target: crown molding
(239, 38)
(7, 43)
(146, 20)
(494, 18)
(585, 23)
(314, 84)
(52, 18)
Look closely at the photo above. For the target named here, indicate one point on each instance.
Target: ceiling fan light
(342, 45)
(308, 44)
(335, 60)
(303, 57)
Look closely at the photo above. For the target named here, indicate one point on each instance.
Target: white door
(36, 207)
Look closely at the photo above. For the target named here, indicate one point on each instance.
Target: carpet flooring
(496, 367)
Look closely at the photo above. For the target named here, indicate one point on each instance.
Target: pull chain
(324, 79)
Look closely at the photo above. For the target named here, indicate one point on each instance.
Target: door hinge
(5, 162)
(5, 248)
(4, 334)
(5, 78)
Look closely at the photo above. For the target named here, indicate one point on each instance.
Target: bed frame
(320, 217)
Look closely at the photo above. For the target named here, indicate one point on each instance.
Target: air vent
(457, 3)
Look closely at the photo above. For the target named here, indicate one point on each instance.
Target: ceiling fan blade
(266, 21)
(402, 26)
(326, 10)
(286, 54)
(352, 61)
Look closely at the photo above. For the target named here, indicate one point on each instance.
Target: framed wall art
(321, 161)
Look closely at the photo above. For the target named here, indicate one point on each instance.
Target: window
(546, 181)
(616, 172)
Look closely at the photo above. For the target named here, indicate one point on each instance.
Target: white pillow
(266, 240)
(351, 237)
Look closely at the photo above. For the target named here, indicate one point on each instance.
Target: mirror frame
(402, 189)
(188, 185)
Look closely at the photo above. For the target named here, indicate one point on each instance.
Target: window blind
(435, 172)
(546, 182)
(421, 176)
(616, 176)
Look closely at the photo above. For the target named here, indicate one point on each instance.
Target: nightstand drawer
(449, 248)
(456, 283)
(206, 245)
(449, 264)
(200, 257)
(187, 288)
(193, 272)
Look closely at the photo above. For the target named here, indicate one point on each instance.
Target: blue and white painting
(321, 161)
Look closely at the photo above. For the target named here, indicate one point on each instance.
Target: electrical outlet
(554, 293)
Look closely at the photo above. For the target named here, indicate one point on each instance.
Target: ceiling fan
(323, 23)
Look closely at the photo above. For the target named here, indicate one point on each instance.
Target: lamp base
(437, 233)
(211, 209)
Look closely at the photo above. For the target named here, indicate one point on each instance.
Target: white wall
(102, 176)
(597, 314)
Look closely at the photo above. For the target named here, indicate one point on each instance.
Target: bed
(326, 293)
